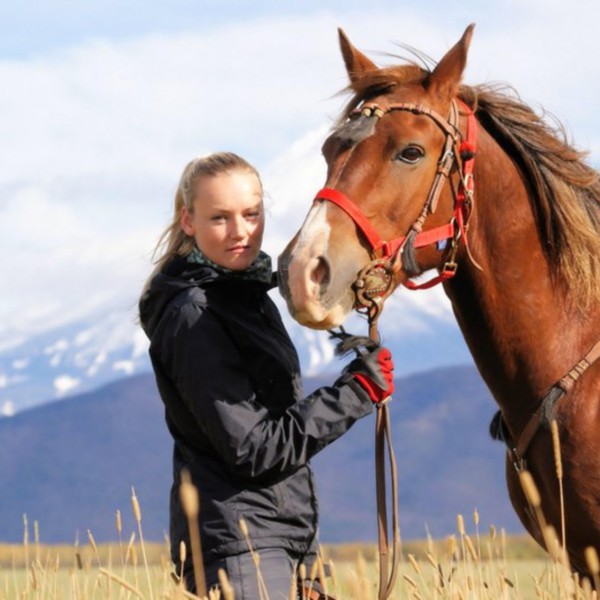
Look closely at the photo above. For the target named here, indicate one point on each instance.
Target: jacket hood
(177, 276)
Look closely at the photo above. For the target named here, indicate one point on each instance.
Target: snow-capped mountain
(72, 358)
(109, 344)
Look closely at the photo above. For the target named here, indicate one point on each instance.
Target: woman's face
(228, 219)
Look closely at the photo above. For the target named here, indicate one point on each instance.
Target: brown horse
(471, 182)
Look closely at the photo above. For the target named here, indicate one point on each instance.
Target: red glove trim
(375, 392)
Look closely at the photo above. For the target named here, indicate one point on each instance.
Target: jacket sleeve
(254, 442)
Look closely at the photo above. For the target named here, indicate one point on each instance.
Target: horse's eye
(410, 154)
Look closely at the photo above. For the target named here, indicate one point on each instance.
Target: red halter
(390, 250)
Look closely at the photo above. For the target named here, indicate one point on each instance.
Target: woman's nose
(238, 228)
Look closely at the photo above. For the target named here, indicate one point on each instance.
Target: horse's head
(383, 183)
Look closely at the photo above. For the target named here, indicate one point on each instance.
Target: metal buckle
(450, 268)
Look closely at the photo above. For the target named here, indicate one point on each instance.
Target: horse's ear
(445, 79)
(357, 64)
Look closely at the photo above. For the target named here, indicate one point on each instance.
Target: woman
(229, 377)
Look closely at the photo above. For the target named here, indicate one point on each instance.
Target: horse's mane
(564, 190)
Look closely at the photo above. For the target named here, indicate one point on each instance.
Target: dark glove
(373, 367)
(374, 370)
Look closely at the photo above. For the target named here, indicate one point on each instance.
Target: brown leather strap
(383, 437)
(528, 434)
(446, 162)
(382, 524)
(565, 385)
(568, 381)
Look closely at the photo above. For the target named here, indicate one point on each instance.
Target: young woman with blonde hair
(229, 377)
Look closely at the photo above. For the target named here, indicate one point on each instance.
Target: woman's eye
(217, 218)
(410, 154)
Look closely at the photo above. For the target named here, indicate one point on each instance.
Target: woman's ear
(187, 223)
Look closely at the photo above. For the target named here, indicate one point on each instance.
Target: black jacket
(229, 377)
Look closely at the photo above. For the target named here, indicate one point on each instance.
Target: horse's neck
(523, 332)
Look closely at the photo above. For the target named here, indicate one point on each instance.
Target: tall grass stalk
(226, 587)
(535, 501)
(122, 582)
(262, 589)
(191, 506)
(559, 476)
(334, 579)
(137, 513)
(36, 541)
(26, 544)
(119, 528)
(293, 591)
(94, 547)
(591, 559)
(321, 572)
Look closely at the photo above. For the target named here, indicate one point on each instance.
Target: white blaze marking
(315, 227)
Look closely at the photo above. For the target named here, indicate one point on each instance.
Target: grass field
(467, 565)
(358, 579)
(490, 566)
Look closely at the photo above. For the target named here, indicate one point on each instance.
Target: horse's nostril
(321, 273)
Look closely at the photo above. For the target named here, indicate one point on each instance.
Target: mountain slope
(86, 353)
(71, 464)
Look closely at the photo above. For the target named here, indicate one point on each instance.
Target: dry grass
(490, 566)
(463, 566)
(446, 575)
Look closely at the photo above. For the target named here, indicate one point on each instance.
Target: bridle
(375, 281)
(385, 255)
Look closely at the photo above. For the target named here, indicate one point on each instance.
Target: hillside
(71, 464)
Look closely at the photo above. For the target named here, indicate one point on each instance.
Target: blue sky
(103, 103)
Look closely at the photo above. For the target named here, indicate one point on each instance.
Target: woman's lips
(239, 249)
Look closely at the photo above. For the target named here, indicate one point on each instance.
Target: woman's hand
(374, 370)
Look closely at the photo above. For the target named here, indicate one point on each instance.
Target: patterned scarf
(259, 270)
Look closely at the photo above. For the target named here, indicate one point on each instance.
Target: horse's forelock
(355, 130)
(352, 130)
(383, 81)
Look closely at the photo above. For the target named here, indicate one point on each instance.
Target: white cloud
(93, 136)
